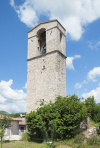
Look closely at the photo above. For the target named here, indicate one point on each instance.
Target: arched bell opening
(41, 41)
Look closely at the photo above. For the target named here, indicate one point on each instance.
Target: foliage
(93, 141)
(59, 119)
(23, 144)
(4, 112)
(68, 143)
(25, 137)
(50, 145)
(94, 123)
(98, 131)
(93, 109)
(90, 104)
(5, 121)
(78, 139)
(96, 116)
(2, 131)
(16, 115)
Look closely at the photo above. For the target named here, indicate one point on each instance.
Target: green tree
(16, 115)
(96, 116)
(5, 122)
(90, 105)
(60, 118)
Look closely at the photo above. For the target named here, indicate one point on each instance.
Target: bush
(96, 116)
(78, 139)
(92, 109)
(51, 145)
(93, 141)
(25, 137)
(90, 104)
(57, 120)
(98, 132)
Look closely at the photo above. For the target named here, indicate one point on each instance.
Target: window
(22, 129)
(42, 41)
(60, 37)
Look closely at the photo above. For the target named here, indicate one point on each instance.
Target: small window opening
(60, 36)
(22, 129)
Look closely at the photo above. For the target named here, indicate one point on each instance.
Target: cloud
(69, 61)
(25, 87)
(94, 44)
(95, 93)
(17, 106)
(78, 85)
(11, 100)
(84, 82)
(7, 92)
(77, 56)
(99, 84)
(92, 74)
(12, 3)
(2, 99)
(26, 13)
(74, 15)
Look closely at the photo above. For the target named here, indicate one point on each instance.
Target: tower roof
(45, 23)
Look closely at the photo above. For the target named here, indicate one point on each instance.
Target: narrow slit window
(60, 37)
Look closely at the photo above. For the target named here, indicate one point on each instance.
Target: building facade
(46, 63)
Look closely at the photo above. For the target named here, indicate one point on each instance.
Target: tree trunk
(1, 141)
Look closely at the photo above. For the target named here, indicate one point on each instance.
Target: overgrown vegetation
(5, 122)
(57, 120)
(25, 137)
(93, 142)
(92, 109)
(16, 115)
(79, 139)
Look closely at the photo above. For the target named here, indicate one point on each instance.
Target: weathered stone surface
(90, 132)
(46, 74)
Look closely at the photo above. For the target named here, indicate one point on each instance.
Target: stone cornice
(47, 54)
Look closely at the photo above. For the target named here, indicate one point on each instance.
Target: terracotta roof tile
(13, 119)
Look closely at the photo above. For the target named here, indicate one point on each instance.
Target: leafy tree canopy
(5, 122)
(58, 119)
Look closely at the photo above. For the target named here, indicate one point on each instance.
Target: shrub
(98, 132)
(57, 120)
(96, 116)
(25, 137)
(78, 139)
(93, 141)
(90, 104)
(51, 145)
(92, 109)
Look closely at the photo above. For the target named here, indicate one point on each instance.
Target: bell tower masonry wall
(46, 72)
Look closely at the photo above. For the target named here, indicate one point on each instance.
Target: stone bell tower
(46, 73)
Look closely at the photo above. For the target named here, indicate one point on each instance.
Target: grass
(94, 123)
(23, 144)
(76, 142)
